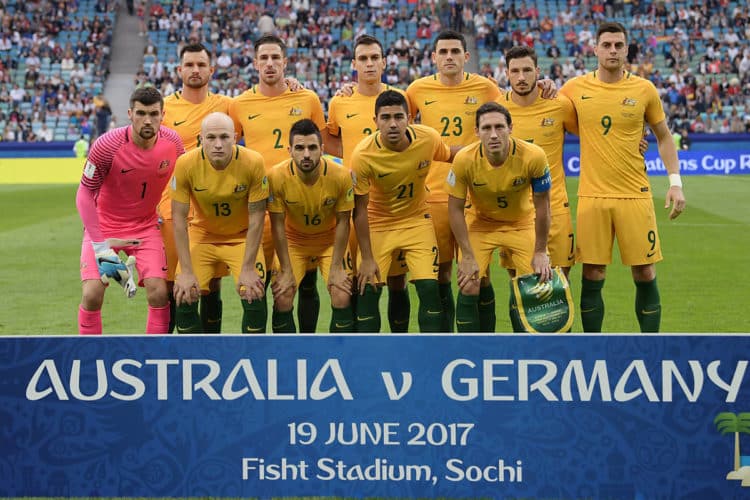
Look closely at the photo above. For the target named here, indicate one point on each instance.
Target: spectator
(45, 133)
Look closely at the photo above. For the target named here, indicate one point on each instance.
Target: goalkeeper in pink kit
(123, 178)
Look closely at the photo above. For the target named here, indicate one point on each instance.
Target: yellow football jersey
(544, 124)
(611, 119)
(185, 118)
(351, 118)
(266, 120)
(451, 111)
(499, 195)
(220, 197)
(310, 210)
(396, 180)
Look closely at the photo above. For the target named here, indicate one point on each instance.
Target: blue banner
(717, 162)
(501, 416)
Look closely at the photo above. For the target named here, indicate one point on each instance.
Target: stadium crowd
(54, 56)
(697, 54)
(54, 59)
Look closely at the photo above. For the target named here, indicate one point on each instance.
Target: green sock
(648, 306)
(172, 312)
(430, 313)
(486, 309)
(308, 303)
(342, 320)
(187, 319)
(254, 316)
(211, 308)
(283, 321)
(449, 307)
(467, 313)
(592, 305)
(368, 310)
(399, 308)
(515, 316)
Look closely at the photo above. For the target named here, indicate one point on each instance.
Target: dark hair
(492, 107)
(368, 40)
(610, 27)
(519, 52)
(194, 47)
(270, 40)
(390, 98)
(304, 127)
(146, 96)
(450, 35)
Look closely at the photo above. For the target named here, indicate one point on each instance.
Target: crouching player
(229, 190)
(499, 172)
(310, 205)
(126, 171)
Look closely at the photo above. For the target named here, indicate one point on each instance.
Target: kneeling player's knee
(156, 292)
(339, 298)
(471, 287)
(284, 301)
(92, 296)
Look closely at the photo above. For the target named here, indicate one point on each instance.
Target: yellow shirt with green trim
(611, 119)
(500, 196)
(451, 110)
(352, 119)
(310, 209)
(395, 180)
(266, 121)
(544, 123)
(220, 197)
(185, 118)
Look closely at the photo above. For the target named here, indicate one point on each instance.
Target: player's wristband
(675, 180)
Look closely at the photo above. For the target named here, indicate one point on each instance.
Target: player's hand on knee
(339, 279)
(467, 272)
(250, 286)
(283, 283)
(368, 273)
(186, 289)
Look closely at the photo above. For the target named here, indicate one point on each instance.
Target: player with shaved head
(227, 186)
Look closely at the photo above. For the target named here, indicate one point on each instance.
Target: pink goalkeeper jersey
(128, 181)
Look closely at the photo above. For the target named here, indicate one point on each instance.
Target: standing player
(499, 173)
(227, 185)
(447, 102)
(614, 194)
(310, 206)
(543, 122)
(266, 112)
(391, 213)
(350, 118)
(122, 181)
(184, 112)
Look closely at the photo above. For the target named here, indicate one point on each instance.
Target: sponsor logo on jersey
(253, 117)
(164, 165)
(295, 112)
(351, 115)
(239, 188)
(177, 124)
(427, 103)
(423, 164)
(470, 100)
(329, 201)
(519, 181)
(629, 102)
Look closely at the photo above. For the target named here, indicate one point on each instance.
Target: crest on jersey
(548, 122)
(295, 112)
(423, 164)
(519, 181)
(163, 166)
(629, 102)
(329, 201)
(239, 188)
(471, 100)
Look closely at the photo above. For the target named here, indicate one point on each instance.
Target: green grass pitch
(701, 280)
